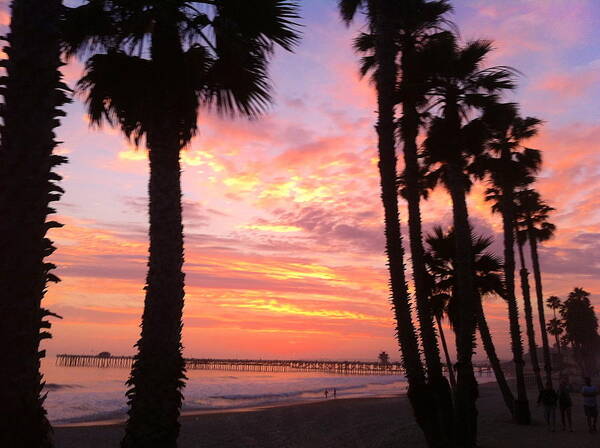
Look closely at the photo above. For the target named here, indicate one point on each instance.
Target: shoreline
(369, 422)
(120, 420)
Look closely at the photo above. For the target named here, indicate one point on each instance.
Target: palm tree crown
(460, 86)
(487, 267)
(186, 53)
(532, 216)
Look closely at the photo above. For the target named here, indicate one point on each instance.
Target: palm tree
(581, 329)
(384, 358)
(532, 221)
(381, 15)
(460, 86)
(157, 62)
(554, 327)
(33, 95)
(495, 195)
(416, 23)
(510, 166)
(524, 274)
(487, 280)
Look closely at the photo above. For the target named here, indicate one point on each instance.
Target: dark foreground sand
(352, 423)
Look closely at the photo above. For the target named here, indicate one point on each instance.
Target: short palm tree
(581, 329)
(487, 279)
(155, 63)
(381, 16)
(534, 227)
(33, 95)
(460, 87)
(554, 327)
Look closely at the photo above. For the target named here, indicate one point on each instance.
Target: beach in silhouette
(347, 423)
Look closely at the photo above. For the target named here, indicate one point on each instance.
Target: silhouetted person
(565, 404)
(326, 393)
(590, 404)
(334, 392)
(548, 398)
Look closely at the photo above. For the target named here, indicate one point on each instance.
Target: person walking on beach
(565, 404)
(326, 394)
(334, 392)
(548, 397)
(590, 403)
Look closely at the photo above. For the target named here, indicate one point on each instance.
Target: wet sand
(353, 423)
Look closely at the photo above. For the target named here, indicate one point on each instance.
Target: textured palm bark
(466, 387)
(158, 374)
(522, 413)
(490, 350)
(418, 392)
(158, 371)
(33, 93)
(409, 130)
(529, 319)
(537, 275)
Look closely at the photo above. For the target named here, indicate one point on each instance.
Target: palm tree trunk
(490, 350)
(418, 392)
(159, 371)
(537, 275)
(33, 93)
(522, 413)
(529, 319)
(449, 363)
(409, 130)
(466, 388)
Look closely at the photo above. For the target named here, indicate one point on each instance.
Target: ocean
(88, 394)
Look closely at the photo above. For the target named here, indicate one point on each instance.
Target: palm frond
(265, 21)
(349, 8)
(88, 28)
(118, 89)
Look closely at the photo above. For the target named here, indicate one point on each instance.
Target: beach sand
(352, 423)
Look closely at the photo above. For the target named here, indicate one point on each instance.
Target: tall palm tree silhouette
(533, 225)
(33, 95)
(510, 166)
(381, 20)
(461, 86)
(487, 280)
(416, 23)
(156, 63)
(526, 291)
(495, 195)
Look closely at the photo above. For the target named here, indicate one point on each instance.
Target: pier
(254, 365)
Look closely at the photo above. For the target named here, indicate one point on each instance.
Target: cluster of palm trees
(575, 326)
(151, 65)
(430, 84)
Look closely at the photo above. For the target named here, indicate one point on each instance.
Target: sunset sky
(284, 242)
